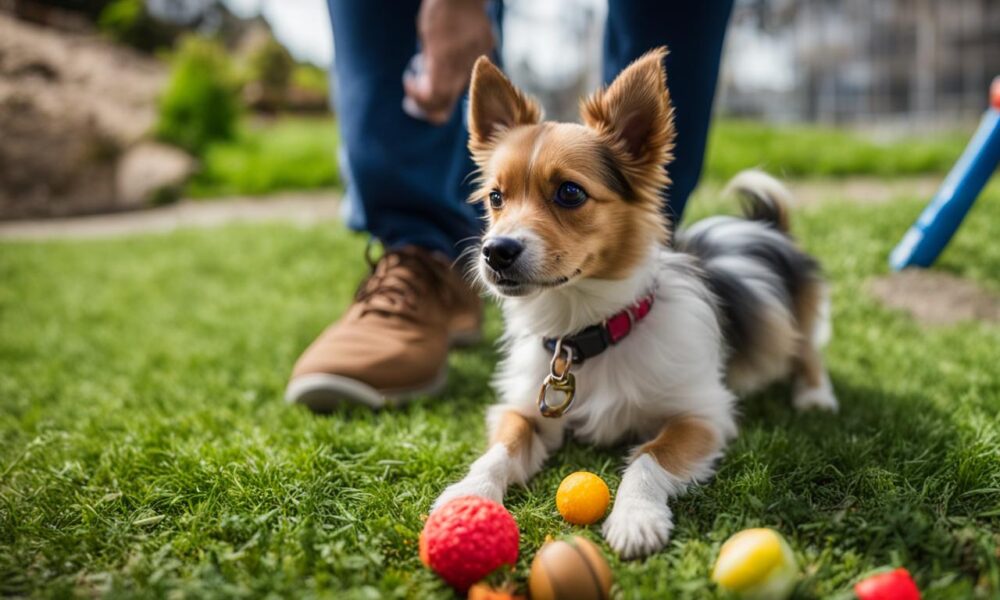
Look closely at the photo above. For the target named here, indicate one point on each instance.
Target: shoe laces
(399, 280)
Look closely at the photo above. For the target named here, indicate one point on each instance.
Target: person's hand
(453, 34)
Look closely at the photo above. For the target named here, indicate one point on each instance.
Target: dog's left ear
(495, 105)
(634, 113)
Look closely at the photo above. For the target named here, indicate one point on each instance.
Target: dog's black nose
(501, 252)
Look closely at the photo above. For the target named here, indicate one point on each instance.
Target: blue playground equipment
(934, 228)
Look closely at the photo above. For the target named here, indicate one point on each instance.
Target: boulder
(152, 173)
(72, 106)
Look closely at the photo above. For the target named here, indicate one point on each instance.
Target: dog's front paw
(819, 398)
(638, 527)
(470, 486)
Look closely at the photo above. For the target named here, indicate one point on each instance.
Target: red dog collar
(597, 338)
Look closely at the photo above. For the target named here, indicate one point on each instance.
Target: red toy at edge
(467, 539)
(893, 585)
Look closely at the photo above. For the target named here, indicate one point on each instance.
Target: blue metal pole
(927, 237)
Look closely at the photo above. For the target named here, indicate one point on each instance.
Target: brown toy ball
(571, 569)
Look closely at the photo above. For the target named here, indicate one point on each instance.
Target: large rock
(71, 107)
(152, 173)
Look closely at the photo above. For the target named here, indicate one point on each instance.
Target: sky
(303, 26)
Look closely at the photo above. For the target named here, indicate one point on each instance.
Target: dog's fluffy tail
(763, 198)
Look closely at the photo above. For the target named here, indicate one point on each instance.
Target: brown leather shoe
(393, 342)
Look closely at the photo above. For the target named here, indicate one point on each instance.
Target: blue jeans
(408, 181)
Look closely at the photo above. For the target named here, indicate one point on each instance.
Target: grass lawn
(798, 150)
(300, 153)
(145, 449)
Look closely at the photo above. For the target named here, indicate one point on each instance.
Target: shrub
(120, 18)
(267, 73)
(281, 154)
(271, 65)
(128, 22)
(201, 101)
(310, 78)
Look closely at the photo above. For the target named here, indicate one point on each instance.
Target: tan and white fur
(737, 304)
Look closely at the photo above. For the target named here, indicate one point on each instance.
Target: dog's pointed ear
(634, 113)
(495, 105)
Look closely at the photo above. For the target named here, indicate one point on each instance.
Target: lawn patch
(145, 449)
(269, 156)
(810, 150)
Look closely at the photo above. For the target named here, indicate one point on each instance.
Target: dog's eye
(496, 199)
(570, 195)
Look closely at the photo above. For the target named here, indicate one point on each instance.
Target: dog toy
(571, 569)
(582, 498)
(891, 585)
(467, 539)
(756, 564)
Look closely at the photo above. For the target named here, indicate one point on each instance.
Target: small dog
(612, 332)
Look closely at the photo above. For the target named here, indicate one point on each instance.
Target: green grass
(283, 154)
(300, 153)
(809, 150)
(145, 449)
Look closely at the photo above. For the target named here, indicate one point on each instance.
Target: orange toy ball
(570, 570)
(583, 498)
(481, 591)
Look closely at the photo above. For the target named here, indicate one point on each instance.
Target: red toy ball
(893, 585)
(467, 539)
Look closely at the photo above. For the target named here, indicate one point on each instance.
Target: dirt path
(300, 208)
(310, 207)
(864, 190)
(936, 297)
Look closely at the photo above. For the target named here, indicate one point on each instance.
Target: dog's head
(565, 201)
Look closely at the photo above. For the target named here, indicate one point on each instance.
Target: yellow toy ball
(583, 498)
(756, 564)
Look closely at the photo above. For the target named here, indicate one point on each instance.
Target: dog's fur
(737, 304)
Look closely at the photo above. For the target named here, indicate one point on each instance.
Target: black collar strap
(597, 338)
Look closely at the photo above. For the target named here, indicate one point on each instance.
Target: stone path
(299, 208)
(931, 298)
(864, 190)
(310, 207)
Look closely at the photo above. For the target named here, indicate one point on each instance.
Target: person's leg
(407, 180)
(407, 187)
(694, 33)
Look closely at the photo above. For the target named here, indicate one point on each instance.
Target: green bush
(271, 65)
(287, 153)
(128, 22)
(121, 17)
(310, 78)
(201, 101)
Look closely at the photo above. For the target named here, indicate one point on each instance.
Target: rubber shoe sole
(325, 392)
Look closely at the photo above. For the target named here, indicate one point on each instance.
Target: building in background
(553, 51)
(895, 62)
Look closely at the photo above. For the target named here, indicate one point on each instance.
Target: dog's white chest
(613, 404)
